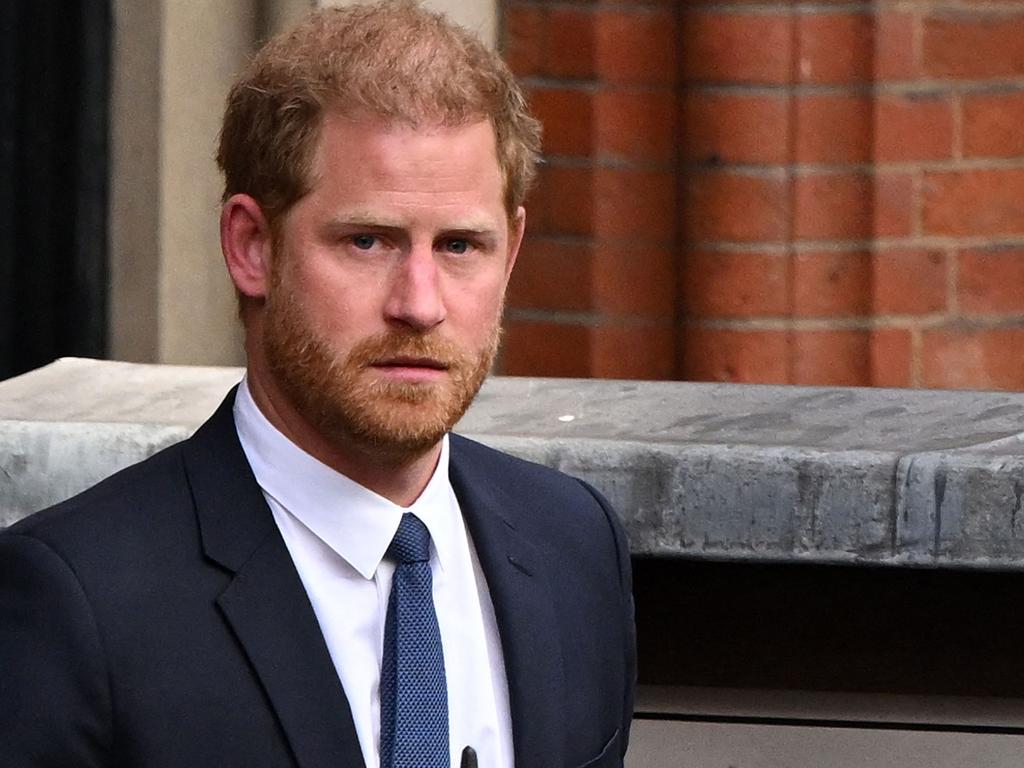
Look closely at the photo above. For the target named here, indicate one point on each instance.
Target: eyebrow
(363, 220)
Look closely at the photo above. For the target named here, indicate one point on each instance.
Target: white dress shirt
(337, 532)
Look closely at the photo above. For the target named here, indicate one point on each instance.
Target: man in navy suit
(231, 600)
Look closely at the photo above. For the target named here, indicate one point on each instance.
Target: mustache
(390, 345)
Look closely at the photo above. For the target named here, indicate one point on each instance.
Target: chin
(403, 421)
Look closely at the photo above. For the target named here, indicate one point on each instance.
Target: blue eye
(457, 246)
(364, 242)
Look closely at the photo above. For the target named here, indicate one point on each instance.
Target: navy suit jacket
(157, 620)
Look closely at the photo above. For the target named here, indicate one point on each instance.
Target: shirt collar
(352, 520)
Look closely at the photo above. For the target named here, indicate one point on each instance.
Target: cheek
(335, 299)
(480, 292)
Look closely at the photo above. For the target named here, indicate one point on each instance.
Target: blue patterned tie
(413, 694)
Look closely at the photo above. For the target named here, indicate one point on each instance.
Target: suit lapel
(265, 604)
(522, 598)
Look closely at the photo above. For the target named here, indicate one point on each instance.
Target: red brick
(894, 205)
(552, 274)
(726, 205)
(524, 39)
(713, 354)
(973, 358)
(831, 358)
(563, 202)
(571, 49)
(831, 284)
(721, 47)
(636, 125)
(833, 206)
(992, 125)
(894, 46)
(725, 284)
(975, 45)
(634, 279)
(913, 128)
(609, 351)
(833, 128)
(633, 352)
(667, 3)
(835, 48)
(891, 357)
(556, 274)
(845, 205)
(990, 281)
(568, 119)
(637, 47)
(909, 281)
(734, 128)
(545, 349)
(762, 4)
(977, 202)
(639, 204)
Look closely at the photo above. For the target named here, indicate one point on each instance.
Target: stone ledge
(723, 471)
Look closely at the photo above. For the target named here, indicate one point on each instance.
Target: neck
(401, 480)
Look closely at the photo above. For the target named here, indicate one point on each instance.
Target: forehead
(369, 152)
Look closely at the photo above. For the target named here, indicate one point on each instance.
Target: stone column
(171, 300)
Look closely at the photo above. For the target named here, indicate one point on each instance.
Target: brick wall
(744, 190)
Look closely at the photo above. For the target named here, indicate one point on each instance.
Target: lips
(411, 362)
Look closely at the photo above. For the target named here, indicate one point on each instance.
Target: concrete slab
(846, 475)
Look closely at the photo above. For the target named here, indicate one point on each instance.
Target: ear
(246, 243)
(517, 227)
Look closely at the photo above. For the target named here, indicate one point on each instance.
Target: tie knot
(412, 541)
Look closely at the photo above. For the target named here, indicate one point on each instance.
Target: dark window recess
(54, 94)
(830, 628)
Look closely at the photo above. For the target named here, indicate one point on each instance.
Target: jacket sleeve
(55, 708)
(628, 614)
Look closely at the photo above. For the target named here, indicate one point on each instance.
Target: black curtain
(54, 95)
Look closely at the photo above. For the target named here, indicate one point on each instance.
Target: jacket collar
(265, 604)
(523, 605)
(268, 610)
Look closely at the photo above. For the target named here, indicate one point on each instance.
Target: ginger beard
(347, 401)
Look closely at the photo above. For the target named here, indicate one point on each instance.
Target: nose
(414, 298)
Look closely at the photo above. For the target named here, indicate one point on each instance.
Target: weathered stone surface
(697, 470)
(68, 425)
(39, 467)
(962, 507)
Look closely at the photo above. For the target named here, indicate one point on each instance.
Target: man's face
(383, 310)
